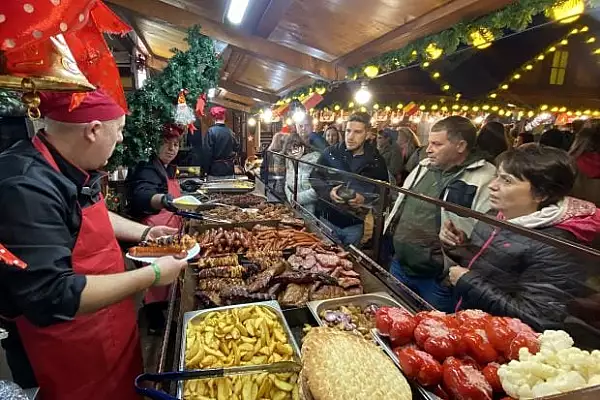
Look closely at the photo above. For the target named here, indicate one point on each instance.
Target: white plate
(193, 252)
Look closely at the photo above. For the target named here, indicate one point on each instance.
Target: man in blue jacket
(344, 201)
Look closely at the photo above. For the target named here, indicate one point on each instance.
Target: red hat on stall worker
(218, 113)
(94, 106)
(172, 131)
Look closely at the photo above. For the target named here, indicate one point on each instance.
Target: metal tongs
(201, 217)
(154, 394)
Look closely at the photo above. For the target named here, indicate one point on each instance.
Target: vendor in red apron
(152, 186)
(72, 304)
(220, 145)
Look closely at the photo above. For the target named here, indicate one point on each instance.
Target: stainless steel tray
(383, 343)
(200, 314)
(362, 300)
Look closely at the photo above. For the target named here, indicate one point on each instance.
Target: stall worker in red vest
(152, 186)
(72, 304)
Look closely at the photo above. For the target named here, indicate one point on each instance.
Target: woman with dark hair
(295, 147)
(556, 138)
(491, 140)
(410, 147)
(152, 186)
(586, 153)
(332, 135)
(510, 274)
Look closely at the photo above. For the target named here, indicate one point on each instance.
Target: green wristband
(156, 269)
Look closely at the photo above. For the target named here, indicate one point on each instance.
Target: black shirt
(144, 181)
(40, 210)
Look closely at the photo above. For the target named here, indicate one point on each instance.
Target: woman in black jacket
(512, 275)
(152, 186)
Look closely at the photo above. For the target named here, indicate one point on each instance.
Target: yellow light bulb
(501, 112)
(596, 113)
(504, 87)
(493, 95)
(569, 113)
(337, 107)
(578, 113)
(422, 108)
(363, 109)
(444, 108)
(540, 57)
(584, 29)
(371, 71)
(529, 67)
(530, 114)
(481, 38)
(388, 108)
(436, 75)
(465, 108)
(376, 107)
(543, 107)
(455, 107)
(597, 51)
(351, 104)
(554, 109)
(562, 109)
(495, 108)
(591, 40)
(426, 64)
(587, 112)
(564, 42)
(517, 76)
(458, 96)
(399, 106)
(485, 107)
(551, 49)
(434, 107)
(446, 87)
(575, 31)
(475, 108)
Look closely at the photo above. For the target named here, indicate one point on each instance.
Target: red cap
(172, 131)
(218, 113)
(93, 106)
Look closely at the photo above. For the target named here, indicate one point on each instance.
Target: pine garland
(196, 70)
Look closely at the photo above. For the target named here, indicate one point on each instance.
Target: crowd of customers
(550, 185)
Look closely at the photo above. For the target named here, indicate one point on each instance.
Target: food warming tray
(362, 300)
(201, 314)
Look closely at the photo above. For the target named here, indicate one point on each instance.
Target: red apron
(161, 293)
(95, 356)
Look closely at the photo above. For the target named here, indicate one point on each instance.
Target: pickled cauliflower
(557, 368)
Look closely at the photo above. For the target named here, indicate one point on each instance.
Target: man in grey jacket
(454, 172)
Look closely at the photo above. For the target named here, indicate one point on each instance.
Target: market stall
(251, 262)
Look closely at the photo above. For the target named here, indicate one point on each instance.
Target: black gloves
(167, 203)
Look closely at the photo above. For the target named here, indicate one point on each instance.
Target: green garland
(196, 70)
(515, 17)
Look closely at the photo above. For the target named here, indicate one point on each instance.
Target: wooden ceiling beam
(230, 104)
(157, 10)
(248, 92)
(271, 17)
(430, 23)
(296, 83)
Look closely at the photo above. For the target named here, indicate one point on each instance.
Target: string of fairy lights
(564, 12)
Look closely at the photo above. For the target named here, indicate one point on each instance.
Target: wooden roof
(285, 44)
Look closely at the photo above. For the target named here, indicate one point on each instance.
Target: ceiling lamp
(363, 95)
(371, 71)
(236, 11)
(481, 38)
(298, 116)
(267, 115)
(433, 52)
(251, 121)
(567, 11)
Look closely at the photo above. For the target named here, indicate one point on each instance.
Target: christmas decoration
(151, 106)
(433, 51)
(37, 36)
(371, 71)
(567, 11)
(183, 114)
(515, 17)
(201, 104)
(481, 38)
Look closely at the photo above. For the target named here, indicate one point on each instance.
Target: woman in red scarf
(152, 187)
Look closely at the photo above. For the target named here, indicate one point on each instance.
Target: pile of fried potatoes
(249, 335)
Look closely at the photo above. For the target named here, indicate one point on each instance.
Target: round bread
(339, 365)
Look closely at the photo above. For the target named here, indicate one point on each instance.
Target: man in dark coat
(344, 201)
(220, 146)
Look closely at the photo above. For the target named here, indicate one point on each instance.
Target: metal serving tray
(384, 344)
(361, 300)
(201, 314)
